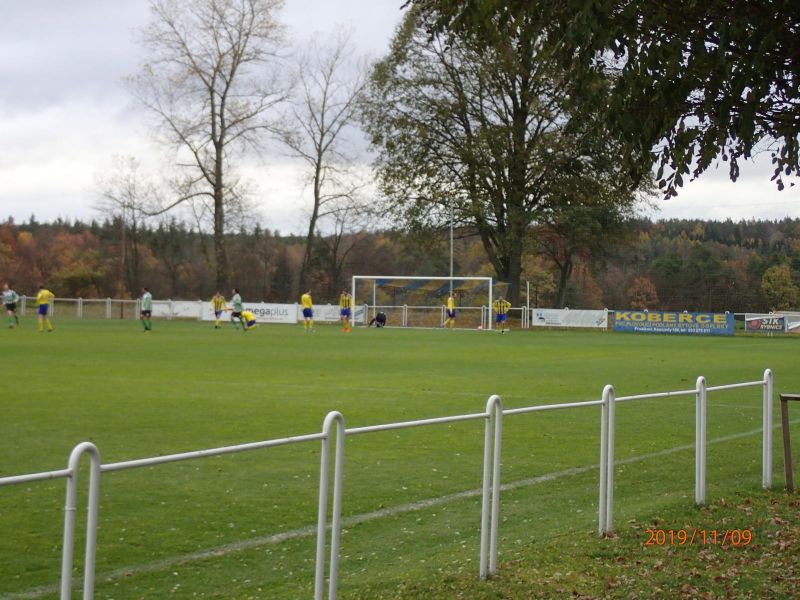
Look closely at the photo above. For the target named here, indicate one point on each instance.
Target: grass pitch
(241, 526)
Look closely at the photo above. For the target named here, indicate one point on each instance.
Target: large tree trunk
(219, 225)
(564, 273)
(312, 226)
(514, 275)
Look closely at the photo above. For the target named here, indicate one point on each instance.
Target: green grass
(186, 386)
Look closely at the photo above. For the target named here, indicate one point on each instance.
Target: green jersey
(147, 301)
(10, 297)
(237, 303)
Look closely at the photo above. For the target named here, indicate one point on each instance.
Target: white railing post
(80, 308)
(108, 308)
(767, 441)
(336, 527)
(612, 425)
(70, 509)
(490, 504)
(701, 427)
(601, 508)
(498, 442)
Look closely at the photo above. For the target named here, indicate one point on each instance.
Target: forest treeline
(671, 264)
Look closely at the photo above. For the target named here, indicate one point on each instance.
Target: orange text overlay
(699, 537)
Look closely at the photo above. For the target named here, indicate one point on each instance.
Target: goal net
(421, 301)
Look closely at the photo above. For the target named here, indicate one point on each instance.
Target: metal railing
(493, 417)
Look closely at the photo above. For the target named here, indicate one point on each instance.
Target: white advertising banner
(564, 317)
(329, 313)
(264, 312)
(177, 309)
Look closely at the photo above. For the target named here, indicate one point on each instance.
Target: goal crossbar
(386, 280)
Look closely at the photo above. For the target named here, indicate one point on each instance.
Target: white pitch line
(302, 532)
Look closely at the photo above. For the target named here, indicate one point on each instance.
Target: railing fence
(493, 418)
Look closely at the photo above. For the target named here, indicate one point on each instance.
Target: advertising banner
(793, 323)
(264, 312)
(682, 323)
(329, 313)
(554, 317)
(764, 323)
(177, 309)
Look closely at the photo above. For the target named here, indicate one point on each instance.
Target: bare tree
(330, 83)
(207, 87)
(127, 197)
(347, 221)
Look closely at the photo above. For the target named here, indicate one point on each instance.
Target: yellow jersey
(501, 307)
(305, 301)
(218, 303)
(345, 301)
(451, 303)
(248, 316)
(44, 297)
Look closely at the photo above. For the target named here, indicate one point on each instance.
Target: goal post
(417, 301)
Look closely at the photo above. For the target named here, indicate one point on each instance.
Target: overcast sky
(64, 113)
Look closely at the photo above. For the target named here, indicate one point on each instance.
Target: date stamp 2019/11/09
(698, 537)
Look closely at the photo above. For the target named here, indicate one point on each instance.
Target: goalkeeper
(379, 320)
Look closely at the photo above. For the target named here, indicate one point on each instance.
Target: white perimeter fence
(490, 506)
(403, 315)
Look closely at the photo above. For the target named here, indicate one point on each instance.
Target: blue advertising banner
(642, 321)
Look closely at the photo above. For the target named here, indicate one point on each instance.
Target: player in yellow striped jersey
(308, 311)
(500, 308)
(345, 309)
(218, 306)
(450, 309)
(249, 320)
(43, 299)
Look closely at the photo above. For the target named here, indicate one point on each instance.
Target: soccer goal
(421, 301)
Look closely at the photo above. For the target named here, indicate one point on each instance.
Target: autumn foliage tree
(692, 81)
(779, 288)
(642, 294)
(488, 132)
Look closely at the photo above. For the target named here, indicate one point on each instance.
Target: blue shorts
(451, 314)
(308, 313)
(500, 319)
(43, 309)
(251, 323)
(345, 312)
(217, 313)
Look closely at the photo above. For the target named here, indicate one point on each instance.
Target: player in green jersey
(10, 299)
(236, 310)
(146, 312)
